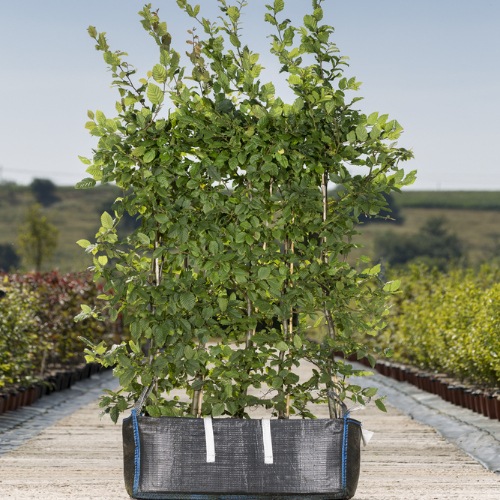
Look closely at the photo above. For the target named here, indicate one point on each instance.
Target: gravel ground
(80, 457)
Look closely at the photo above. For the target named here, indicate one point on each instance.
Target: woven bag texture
(165, 458)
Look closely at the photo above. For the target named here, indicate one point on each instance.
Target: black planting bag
(166, 458)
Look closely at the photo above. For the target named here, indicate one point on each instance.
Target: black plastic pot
(34, 392)
(13, 400)
(468, 398)
(23, 396)
(62, 381)
(492, 406)
(51, 384)
(4, 400)
(444, 390)
(86, 371)
(476, 401)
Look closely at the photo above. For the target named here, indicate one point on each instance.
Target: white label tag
(209, 439)
(268, 443)
(366, 436)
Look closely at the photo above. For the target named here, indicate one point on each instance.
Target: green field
(76, 215)
(462, 200)
(473, 216)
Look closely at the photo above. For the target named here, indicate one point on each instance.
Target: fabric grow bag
(205, 459)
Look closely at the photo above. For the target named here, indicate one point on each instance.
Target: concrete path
(80, 457)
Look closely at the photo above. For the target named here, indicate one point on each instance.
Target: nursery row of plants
(25, 395)
(38, 334)
(448, 323)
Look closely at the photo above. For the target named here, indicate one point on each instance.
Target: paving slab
(80, 457)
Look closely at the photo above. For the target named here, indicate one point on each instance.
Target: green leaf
(162, 218)
(106, 221)
(188, 352)
(158, 252)
(155, 94)
(297, 342)
(222, 303)
(126, 377)
(370, 392)
(351, 136)
(213, 247)
(233, 14)
(197, 384)
(83, 243)
(279, 5)
(372, 119)
(392, 286)
(101, 119)
(187, 300)
(161, 334)
(149, 156)
(277, 382)
(281, 346)
(218, 409)
(159, 73)
(234, 40)
(380, 405)
(153, 411)
(103, 260)
(264, 272)
(124, 361)
(361, 133)
(114, 414)
(143, 239)
(371, 360)
(90, 114)
(86, 183)
(86, 309)
(375, 132)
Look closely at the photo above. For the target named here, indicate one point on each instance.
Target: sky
(434, 65)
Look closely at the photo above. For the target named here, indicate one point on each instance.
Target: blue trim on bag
(347, 420)
(137, 457)
(344, 454)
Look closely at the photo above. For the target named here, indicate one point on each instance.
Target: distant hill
(467, 200)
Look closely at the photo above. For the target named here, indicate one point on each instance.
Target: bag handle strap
(343, 407)
(142, 398)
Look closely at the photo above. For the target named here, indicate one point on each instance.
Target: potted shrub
(240, 246)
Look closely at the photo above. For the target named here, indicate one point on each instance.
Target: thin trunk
(44, 361)
(332, 405)
(281, 413)
(290, 338)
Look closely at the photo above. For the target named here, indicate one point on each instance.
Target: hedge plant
(448, 322)
(17, 334)
(37, 328)
(239, 241)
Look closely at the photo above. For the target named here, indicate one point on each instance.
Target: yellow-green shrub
(448, 322)
(18, 342)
